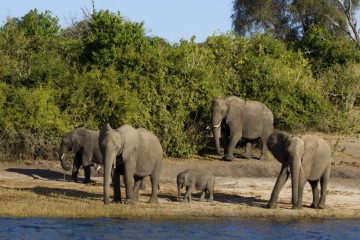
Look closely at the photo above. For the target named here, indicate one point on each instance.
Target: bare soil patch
(242, 189)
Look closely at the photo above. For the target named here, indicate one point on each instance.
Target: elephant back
(150, 140)
(258, 120)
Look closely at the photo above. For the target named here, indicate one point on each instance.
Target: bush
(106, 69)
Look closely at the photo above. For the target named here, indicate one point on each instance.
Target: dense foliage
(105, 69)
(290, 19)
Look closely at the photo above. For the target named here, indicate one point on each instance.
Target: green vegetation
(105, 69)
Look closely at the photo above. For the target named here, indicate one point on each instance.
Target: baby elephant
(200, 179)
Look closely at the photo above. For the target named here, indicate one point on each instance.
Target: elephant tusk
(62, 156)
(218, 125)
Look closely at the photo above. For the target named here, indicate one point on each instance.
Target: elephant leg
(86, 162)
(247, 153)
(143, 183)
(129, 181)
(225, 134)
(155, 185)
(230, 149)
(188, 192)
(302, 181)
(202, 196)
(76, 166)
(87, 173)
(264, 149)
(116, 185)
(137, 184)
(315, 192)
(280, 181)
(211, 195)
(324, 180)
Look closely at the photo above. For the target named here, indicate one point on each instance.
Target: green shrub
(107, 70)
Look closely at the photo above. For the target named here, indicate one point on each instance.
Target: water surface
(107, 228)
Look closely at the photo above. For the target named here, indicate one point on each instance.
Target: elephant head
(229, 109)
(183, 179)
(289, 151)
(111, 145)
(72, 141)
(219, 110)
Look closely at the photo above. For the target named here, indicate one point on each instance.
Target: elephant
(84, 143)
(307, 158)
(136, 153)
(236, 119)
(198, 178)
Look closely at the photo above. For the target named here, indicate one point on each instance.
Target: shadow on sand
(55, 192)
(42, 174)
(218, 197)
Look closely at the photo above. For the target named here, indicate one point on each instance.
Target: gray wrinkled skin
(134, 153)
(196, 178)
(84, 144)
(307, 158)
(234, 119)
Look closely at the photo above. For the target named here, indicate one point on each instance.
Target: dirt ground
(242, 187)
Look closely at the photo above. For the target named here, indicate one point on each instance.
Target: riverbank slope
(243, 187)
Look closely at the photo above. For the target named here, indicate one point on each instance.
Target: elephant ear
(294, 148)
(311, 145)
(188, 178)
(78, 138)
(235, 110)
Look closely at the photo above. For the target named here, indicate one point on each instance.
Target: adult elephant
(84, 144)
(136, 153)
(234, 118)
(307, 158)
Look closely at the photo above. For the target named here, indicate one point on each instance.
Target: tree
(348, 9)
(287, 19)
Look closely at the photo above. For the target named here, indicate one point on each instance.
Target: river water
(107, 228)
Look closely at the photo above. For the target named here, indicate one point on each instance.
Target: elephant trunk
(179, 192)
(63, 150)
(216, 119)
(295, 167)
(216, 133)
(108, 165)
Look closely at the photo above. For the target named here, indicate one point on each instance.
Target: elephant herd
(136, 153)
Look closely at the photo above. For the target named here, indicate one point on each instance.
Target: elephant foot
(271, 206)
(262, 158)
(74, 179)
(313, 205)
(153, 200)
(130, 201)
(297, 207)
(210, 200)
(321, 206)
(202, 200)
(227, 158)
(90, 182)
(117, 201)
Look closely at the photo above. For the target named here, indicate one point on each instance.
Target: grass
(44, 201)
